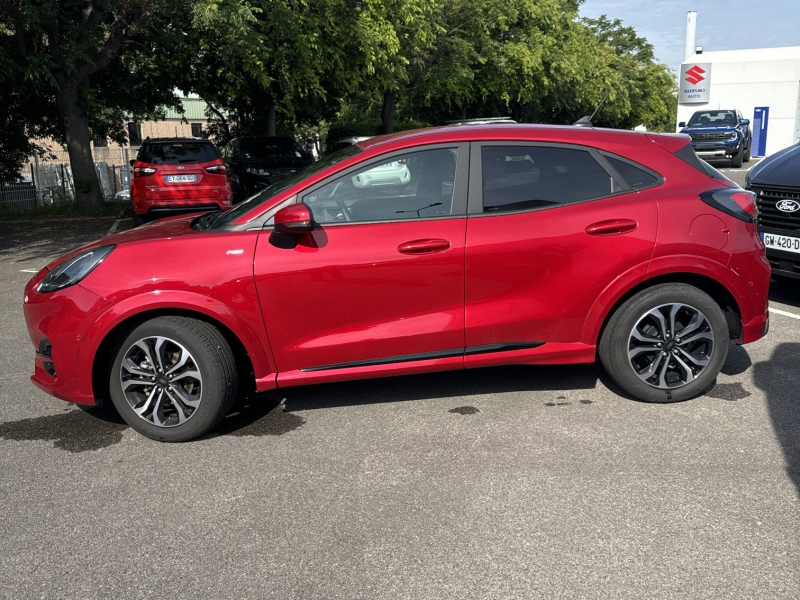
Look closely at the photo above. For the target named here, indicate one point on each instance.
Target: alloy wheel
(161, 381)
(670, 345)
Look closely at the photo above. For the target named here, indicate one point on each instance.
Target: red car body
(388, 298)
(156, 193)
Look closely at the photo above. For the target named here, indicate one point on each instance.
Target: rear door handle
(612, 227)
(428, 246)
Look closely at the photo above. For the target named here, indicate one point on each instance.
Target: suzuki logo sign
(695, 75)
(695, 83)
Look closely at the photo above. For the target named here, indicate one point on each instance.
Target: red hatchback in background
(501, 244)
(177, 175)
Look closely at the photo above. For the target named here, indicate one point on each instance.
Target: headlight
(733, 135)
(73, 270)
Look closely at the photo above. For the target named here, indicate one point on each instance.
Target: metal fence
(49, 181)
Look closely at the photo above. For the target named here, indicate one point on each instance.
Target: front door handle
(612, 227)
(428, 246)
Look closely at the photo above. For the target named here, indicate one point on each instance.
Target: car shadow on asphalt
(779, 379)
(449, 384)
(36, 243)
(785, 292)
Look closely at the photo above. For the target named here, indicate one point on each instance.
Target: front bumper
(60, 320)
(717, 149)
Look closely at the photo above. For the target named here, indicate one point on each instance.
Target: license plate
(181, 178)
(781, 242)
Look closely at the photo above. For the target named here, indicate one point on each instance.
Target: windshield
(284, 184)
(712, 118)
(173, 153)
(269, 147)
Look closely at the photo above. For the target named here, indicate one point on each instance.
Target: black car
(776, 181)
(255, 162)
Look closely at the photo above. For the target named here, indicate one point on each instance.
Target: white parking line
(28, 270)
(784, 313)
(114, 226)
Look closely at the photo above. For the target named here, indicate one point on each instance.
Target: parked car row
(439, 249)
(180, 175)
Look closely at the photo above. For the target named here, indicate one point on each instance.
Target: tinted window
(528, 177)
(687, 155)
(409, 186)
(636, 177)
(173, 153)
(269, 147)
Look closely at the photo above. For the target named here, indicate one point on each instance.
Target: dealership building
(763, 84)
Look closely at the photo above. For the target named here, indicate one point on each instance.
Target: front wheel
(747, 155)
(737, 159)
(173, 378)
(665, 344)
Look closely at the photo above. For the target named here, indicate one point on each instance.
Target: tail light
(216, 169)
(143, 171)
(734, 202)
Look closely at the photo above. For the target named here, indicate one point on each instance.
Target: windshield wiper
(207, 220)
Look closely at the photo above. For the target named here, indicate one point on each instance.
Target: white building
(747, 80)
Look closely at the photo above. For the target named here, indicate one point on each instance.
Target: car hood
(278, 162)
(708, 128)
(164, 228)
(781, 169)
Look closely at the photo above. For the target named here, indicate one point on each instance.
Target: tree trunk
(75, 124)
(516, 110)
(387, 112)
(271, 118)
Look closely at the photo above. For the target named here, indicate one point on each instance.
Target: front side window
(532, 177)
(415, 185)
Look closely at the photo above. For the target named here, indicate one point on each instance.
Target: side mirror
(745, 121)
(682, 124)
(295, 218)
(132, 161)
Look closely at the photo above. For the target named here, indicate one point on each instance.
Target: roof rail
(481, 121)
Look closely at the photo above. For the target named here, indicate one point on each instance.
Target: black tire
(747, 155)
(617, 341)
(139, 220)
(737, 159)
(208, 361)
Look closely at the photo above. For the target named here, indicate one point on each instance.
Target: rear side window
(174, 153)
(530, 177)
(637, 177)
(687, 155)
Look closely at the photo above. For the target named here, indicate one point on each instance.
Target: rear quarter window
(638, 177)
(174, 153)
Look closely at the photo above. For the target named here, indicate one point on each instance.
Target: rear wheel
(139, 220)
(173, 378)
(665, 344)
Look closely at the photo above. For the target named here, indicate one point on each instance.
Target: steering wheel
(345, 211)
(340, 203)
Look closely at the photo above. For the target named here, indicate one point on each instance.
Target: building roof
(747, 55)
(194, 109)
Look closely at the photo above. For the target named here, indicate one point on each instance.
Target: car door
(549, 227)
(379, 282)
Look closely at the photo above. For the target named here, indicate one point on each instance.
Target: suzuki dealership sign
(695, 83)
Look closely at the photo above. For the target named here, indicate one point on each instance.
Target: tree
(78, 55)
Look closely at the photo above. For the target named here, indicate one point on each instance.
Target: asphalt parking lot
(514, 482)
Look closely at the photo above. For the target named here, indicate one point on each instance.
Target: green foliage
(295, 67)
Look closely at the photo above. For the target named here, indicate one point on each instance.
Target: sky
(721, 24)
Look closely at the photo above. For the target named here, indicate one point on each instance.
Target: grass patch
(66, 210)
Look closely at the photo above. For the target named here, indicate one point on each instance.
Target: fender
(665, 265)
(607, 299)
(256, 346)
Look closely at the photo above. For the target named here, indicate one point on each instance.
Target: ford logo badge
(788, 206)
